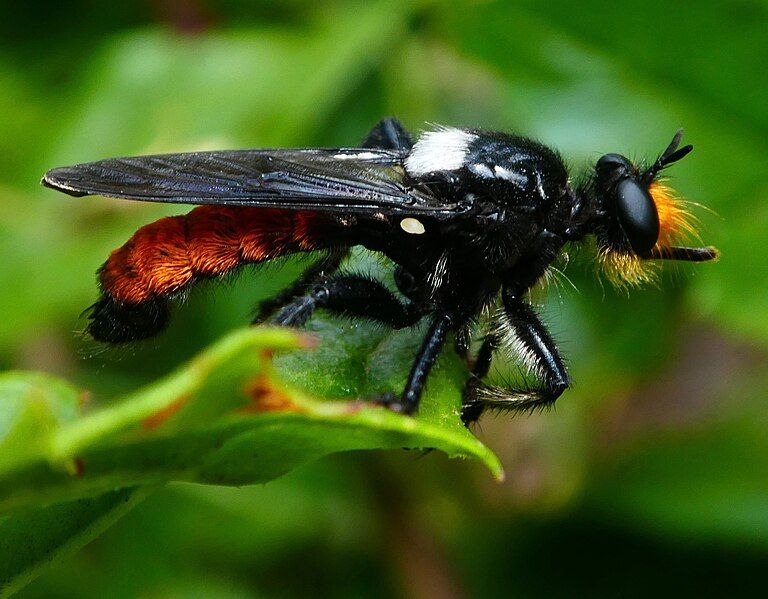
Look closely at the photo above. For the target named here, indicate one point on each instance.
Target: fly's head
(637, 218)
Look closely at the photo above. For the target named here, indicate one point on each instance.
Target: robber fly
(467, 216)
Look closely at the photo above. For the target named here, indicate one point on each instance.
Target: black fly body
(468, 217)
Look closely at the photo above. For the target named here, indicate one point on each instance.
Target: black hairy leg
(361, 297)
(530, 339)
(462, 342)
(323, 268)
(430, 349)
(387, 134)
(482, 362)
(471, 409)
(354, 296)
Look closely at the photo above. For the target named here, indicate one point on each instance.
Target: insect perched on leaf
(466, 215)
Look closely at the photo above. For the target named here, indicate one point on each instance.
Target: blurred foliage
(650, 476)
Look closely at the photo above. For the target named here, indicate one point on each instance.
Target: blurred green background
(650, 476)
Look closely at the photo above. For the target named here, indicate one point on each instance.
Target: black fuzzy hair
(116, 322)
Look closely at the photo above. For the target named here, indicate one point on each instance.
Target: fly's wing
(334, 180)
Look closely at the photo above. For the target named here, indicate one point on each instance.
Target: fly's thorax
(511, 188)
(490, 173)
(516, 173)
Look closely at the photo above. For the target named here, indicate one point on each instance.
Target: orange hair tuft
(675, 222)
(625, 269)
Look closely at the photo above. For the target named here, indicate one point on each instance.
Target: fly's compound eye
(637, 215)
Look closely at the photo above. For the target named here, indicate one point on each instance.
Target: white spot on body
(441, 150)
(412, 226)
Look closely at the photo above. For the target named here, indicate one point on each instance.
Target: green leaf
(32, 405)
(31, 539)
(226, 418)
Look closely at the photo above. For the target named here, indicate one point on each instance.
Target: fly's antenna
(668, 156)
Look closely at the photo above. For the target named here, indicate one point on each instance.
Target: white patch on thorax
(441, 150)
(481, 170)
(498, 172)
(510, 175)
(540, 188)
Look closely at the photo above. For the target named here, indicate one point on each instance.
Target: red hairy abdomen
(164, 257)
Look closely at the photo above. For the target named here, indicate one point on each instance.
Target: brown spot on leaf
(74, 466)
(83, 400)
(155, 420)
(308, 341)
(265, 396)
(353, 407)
